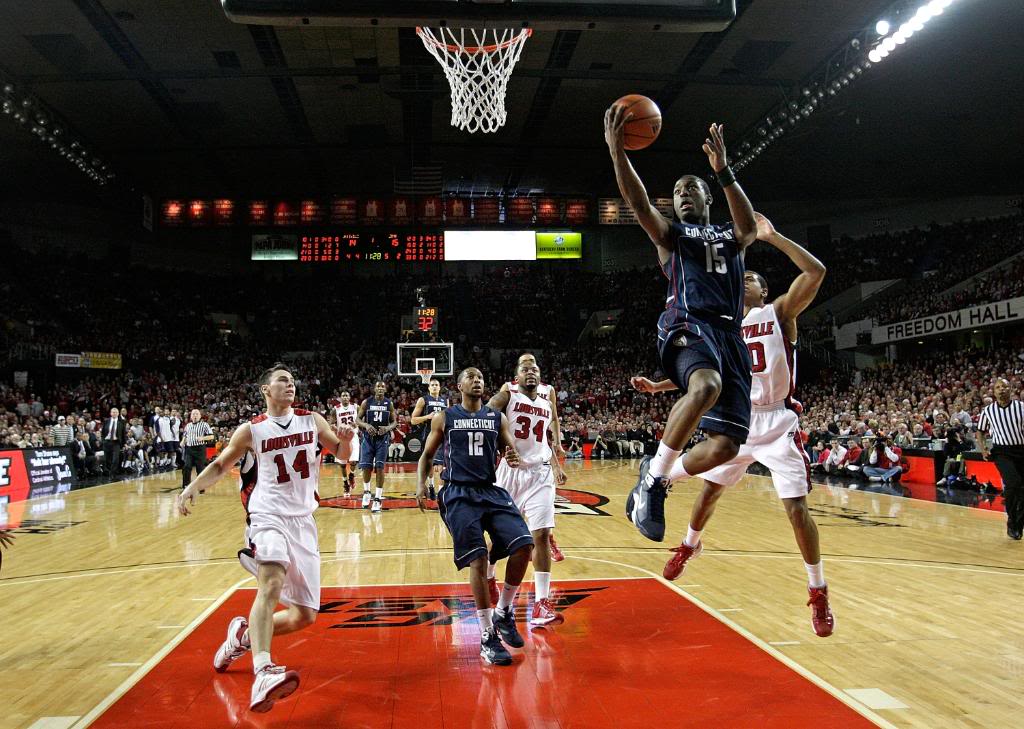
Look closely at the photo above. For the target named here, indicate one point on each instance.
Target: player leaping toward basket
(775, 442)
(699, 341)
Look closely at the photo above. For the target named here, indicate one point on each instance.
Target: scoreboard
(371, 247)
(425, 319)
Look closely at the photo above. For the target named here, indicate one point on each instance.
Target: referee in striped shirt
(1004, 419)
(197, 436)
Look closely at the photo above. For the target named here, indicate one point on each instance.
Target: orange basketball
(644, 125)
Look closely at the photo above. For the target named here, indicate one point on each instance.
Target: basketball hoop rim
(519, 37)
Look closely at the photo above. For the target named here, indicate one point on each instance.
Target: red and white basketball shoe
(231, 649)
(272, 684)
(822, 619)
(544, 613)
(683, 554)
(556, 553)
(492, 588)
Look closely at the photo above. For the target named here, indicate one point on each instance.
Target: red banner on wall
(548, 211)
(457, 210)
(172, 213)
(223, 212)
(198, 213)
(311, 212)
(577, 210)
(259, 212)
(344, 211)
(286, 214)
(486, 210)
(519, 210)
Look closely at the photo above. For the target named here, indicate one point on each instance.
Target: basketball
(645, 124)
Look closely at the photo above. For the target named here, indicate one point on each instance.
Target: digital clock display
(371, 247)
(425, 318)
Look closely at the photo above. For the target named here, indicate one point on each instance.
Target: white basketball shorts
(292, 542)
(774, 442)
(532, 488)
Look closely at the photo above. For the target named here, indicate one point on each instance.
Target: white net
(477, 64)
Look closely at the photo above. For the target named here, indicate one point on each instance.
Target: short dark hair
(267, 373)
(433, 379)
(466, 370)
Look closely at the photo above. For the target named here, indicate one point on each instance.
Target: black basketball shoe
(493, 650)
(645, 505)
(505, 622)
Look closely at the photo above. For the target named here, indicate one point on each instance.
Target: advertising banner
(974, 317)
(559, 245)
(31, 472)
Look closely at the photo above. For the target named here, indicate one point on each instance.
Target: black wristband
(725, 176)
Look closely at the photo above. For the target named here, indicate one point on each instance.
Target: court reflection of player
(376, 418)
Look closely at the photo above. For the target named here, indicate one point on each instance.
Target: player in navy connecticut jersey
(376, 418)
(422, 413)
(471, 436)
(699, 341)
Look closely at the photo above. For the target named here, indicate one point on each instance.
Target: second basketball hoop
(477, 64)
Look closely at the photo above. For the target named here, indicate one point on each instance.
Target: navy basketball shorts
(471, 511)
(373, 450)
(692, 347)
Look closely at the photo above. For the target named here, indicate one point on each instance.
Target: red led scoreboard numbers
(425, 318)
(371, 247)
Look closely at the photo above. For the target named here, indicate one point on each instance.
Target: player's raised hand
(642, 384)
(511, 457)
(6, 538)
(614, 119)
(714, 148)
(765, 229)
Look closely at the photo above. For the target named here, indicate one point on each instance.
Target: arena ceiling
(181, 101)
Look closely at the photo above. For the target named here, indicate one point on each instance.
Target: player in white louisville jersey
(529, 406)
(280, 474)
(769, 330)
(345, 415)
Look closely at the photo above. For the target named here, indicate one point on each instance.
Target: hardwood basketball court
(114, 606)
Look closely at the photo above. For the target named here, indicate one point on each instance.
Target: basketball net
(477, 64)
(425, 374)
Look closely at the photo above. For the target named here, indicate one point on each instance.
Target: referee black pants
(194, 457)
(1010, 462)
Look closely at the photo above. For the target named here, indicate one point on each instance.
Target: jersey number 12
(476, 444)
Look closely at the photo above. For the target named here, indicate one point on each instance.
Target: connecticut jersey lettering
(772, 357)
(281, 471)
(378, 412)
(705, 273)
(470, 446)
(432, 405)
(529, 420)
(345, 414)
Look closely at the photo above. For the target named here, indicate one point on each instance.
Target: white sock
(815, 574)
(678, 470)
(542, 585)
(259, 660)
(692, 536)
(508, 596)
(484, 616)
(663, 460)
(379, 493)
(366, 488)
(490, 571)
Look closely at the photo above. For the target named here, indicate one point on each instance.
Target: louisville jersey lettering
(772, 357)
(529, 421)
(281, 471)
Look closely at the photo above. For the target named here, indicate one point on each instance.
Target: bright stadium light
(899, 38)
(889, 44)
(882, 27)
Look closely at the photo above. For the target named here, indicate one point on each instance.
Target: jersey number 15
(716, 262)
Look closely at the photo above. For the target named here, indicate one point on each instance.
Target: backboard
(683, 16)
(414, 356)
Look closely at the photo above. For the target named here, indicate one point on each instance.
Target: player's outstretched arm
(645, 385)
(740, 209)
(434, 439)
(339, 444)
(241, 441)
(630, 185)
(499, 400)
(812, 271)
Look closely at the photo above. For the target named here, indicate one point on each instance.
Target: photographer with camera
(884, 460)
